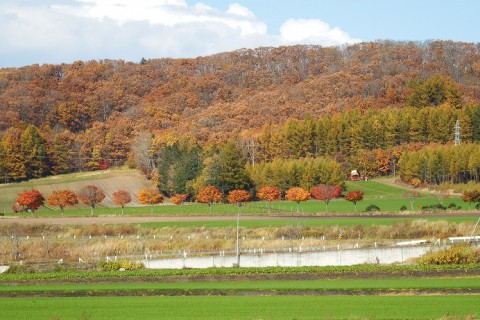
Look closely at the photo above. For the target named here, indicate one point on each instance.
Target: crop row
(333, 270)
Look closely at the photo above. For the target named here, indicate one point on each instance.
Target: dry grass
(98, 241)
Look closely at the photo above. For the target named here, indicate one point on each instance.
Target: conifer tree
(229, 172)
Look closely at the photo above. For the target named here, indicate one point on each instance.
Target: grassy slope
(108, 180)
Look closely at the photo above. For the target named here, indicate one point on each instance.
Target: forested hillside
(360, 105)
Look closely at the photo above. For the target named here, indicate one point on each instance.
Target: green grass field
(284, 285)
(241, 307)
(305, 221)
(338, 206)
(378, 188)
(380, 192)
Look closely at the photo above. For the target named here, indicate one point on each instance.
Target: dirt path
(181, 292)
(124, 219)
(200, 218)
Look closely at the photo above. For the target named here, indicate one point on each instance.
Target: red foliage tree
(238, 197)
(298, 195)
(91, 195)
(326, 193)
(121, 197)
(354, 196)
(210, 195)
(62, 199)
(29, 200)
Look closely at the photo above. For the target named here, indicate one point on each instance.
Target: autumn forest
(283, 117)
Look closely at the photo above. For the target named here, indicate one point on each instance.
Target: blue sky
(371, 20)
(56, 31)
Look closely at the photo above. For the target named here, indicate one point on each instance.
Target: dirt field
(175, 218)
(123, 220)
(109, 181)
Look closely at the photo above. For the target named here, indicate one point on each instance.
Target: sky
(64, 31)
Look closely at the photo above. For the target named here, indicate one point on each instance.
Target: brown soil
(238, 293)
(177, 218)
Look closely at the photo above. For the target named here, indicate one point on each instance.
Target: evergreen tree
(33, 151)
(177, 166)
(14, 163)
(229, 172)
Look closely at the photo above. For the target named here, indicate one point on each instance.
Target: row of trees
(184, 169)
(441, 163)
(28, 152)
(351, 132)
(91, 195)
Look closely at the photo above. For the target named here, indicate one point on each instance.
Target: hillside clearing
(108, 180)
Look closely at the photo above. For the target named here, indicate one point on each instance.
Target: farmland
(242, 307)
(357, 292)
(383, 193)
(372, 292)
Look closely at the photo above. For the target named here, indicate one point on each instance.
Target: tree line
(437, 164)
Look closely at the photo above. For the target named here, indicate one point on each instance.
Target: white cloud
(167, 13)
(313, 31)
(56, 31)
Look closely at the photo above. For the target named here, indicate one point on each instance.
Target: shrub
(456, 254)
(434, 207)
(453, 206)
(122, 264)
(415, 182)
(372, 207)
(403, 208)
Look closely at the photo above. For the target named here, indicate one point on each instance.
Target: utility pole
(238, 242)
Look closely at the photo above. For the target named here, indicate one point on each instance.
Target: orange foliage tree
(239, 197)
(269, 194)
(470, 197)
(91, 195)
(150, 197)
(62, 199)
(354, 196)
(210, 195)
(326, 193)
(29, 200)
(178, 199)
(298, 195)
(121, 197)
